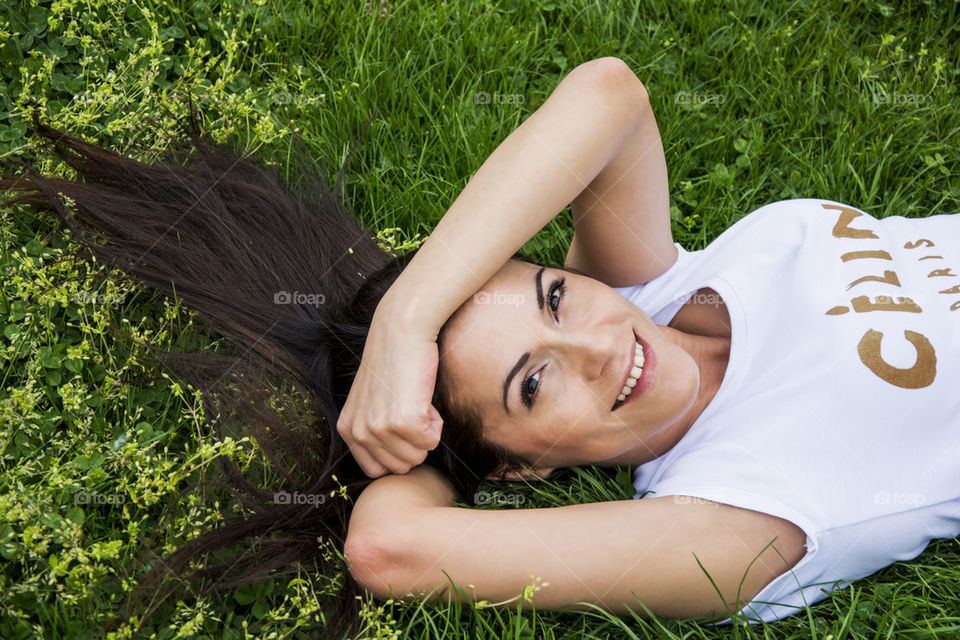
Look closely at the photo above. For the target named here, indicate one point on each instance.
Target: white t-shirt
(839, 409)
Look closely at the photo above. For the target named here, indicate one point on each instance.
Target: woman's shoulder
(773, 231)
(797, 211)
(800, 206)
(761, 241)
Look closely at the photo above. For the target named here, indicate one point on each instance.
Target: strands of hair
(224, 236)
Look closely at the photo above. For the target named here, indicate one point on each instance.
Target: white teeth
(635, 373)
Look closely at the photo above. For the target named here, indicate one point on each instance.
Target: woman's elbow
(386, 546)
(612, 73)
(378, 562)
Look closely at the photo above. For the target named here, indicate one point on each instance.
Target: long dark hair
(230, 240)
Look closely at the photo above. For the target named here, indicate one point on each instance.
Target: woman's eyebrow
(539, 279)
(520, 362)
(513, 372)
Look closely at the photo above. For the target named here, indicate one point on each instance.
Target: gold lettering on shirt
(862, 304)
(924, 370)
(921, 374)
(842, 228)
(888, 277)
(858, 255)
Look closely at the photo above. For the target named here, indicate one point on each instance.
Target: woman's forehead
(490, 326)
(506, 296)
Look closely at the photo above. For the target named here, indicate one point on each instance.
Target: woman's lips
(646, 377)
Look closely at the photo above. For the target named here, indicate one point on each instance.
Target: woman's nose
(586, 351)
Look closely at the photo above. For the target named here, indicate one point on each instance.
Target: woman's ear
(536, 473)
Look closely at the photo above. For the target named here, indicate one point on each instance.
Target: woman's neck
(711, 353)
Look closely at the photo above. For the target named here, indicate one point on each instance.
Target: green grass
(756, 102)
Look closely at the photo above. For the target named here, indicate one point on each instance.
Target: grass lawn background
(756, 102)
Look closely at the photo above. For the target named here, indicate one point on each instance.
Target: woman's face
(543, 355)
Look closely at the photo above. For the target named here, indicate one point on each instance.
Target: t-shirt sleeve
(729, 468)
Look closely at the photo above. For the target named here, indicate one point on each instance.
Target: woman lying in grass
(785, 393)
(779, 376)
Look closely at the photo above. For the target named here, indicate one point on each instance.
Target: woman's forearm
(406, 540)
(530, 177)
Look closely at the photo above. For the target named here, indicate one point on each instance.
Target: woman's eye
(530, 387)
(556, 292)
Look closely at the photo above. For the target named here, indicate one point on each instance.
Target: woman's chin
(674, 393)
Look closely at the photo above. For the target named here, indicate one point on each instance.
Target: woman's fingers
(402, 450)
(423, 434)
(391, 450)
(367, 462)
(392, 462)
(434, 427)
(386, 449)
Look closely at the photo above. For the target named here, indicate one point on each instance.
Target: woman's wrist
(406, 310)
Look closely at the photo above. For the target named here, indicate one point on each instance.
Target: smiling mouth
(632, 376)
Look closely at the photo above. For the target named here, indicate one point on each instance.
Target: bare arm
(622, 219)
(534, 173)
(387, 420)
(404, 536)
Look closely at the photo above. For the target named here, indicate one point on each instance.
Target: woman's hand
(387, 421)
